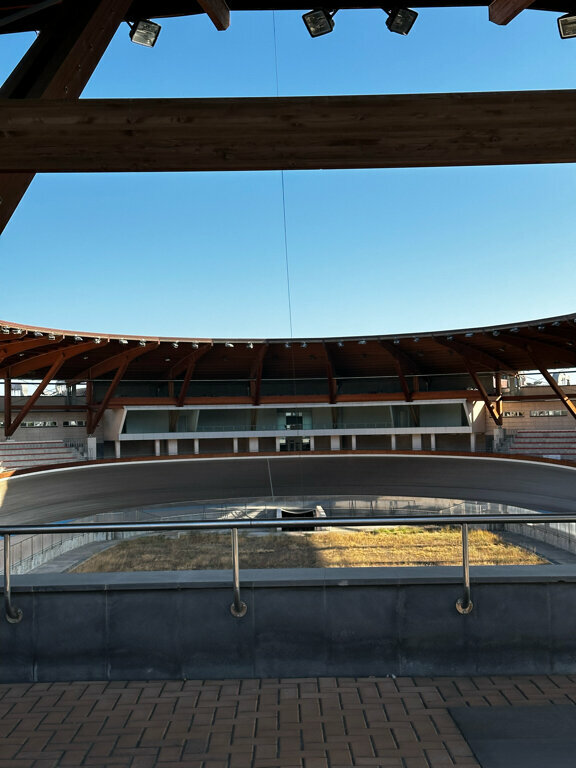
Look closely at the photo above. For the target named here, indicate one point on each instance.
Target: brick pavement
(268, 723)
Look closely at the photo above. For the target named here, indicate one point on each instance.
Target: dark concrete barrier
(357, 622)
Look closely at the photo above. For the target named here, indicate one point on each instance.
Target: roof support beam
(556, 388)
(57, 66)
(7, 403)
(404, 365)
(193, 359)
(475, 356)
(15, 347)
(127, 358)
(256, 374)
(332, 385)
(218, 12)
(39, 362)
(10, 428)
(503, 11)
(494, 409)
(422, 130)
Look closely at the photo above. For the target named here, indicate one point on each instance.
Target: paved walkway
(291, 723)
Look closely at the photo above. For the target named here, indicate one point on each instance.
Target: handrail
(238, 608)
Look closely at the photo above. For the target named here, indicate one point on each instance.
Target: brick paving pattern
(268, 723)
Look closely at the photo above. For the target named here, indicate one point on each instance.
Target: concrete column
(393, 442)
(253, 445)
(235, 445)
(334, 442)
(278, 444)
(353, 442)
(433, 442)
(172, 447)
(117, 452)
(196, 445)
(156, 447)
(416, 442)
(91, 448)
(473, 441)
(312, 443)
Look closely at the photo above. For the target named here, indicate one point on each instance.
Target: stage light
(567, 26)
(145, 32)
(400, 20)
(78, 338)
(175, 344)
(229, 344)
(123, 341)
(319, 22)
(194, 345)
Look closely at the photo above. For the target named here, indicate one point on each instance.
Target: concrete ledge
(348, 621)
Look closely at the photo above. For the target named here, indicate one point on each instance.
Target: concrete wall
(310, 622)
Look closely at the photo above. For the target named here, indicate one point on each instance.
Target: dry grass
(376, 547)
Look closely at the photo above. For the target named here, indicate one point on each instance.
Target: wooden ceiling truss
(58, 65)
(256, 374)
(96, 411)
(54, 360)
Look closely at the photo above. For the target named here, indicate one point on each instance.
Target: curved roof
(28, 352)
(72, 492)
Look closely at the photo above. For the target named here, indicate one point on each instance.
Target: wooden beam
(503, 11)
(53, 370)
(494, 409)
(256, 375)
(7, 404)
(330, 368)
(218, 12)
(192, 360)
(15, 347)
(288, 133)
(112, 363)
(475, 355)
(58, 65)
(39, 362)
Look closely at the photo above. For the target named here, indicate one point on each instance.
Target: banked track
(72, 491)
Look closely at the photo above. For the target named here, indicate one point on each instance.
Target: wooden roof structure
(27, 352)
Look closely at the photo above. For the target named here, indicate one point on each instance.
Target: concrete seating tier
(560, 443)
(15, 455)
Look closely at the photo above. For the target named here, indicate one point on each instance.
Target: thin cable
(286, 260)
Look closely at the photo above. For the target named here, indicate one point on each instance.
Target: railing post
(13, 615)
(238, 608)
(464, 604)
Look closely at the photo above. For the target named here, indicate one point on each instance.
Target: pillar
(353, 441)
(117, 448)
(433, 442)
(172, 447)
(253, 445)
(416, 442)
(156, 447)
(334, 442)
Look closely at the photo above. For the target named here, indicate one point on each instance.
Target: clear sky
(369, 252)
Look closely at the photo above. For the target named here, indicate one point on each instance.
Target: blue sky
(369, 252)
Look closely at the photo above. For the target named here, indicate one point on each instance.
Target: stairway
(15, 455)
(552, 444)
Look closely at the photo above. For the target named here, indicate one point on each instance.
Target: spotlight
(400, 20)
(495, 333)
(142, 343)
(5, 330)
(175, 344)
(362, 341)
(51, 336)
(78, 338)
(145, 32)
(319, 22)
(229, 344)
(97, 340)
(287, 344)
(194, 345)
(250, 345)
(340, 343)
(123, 341)
(396, 341)
(304, 344)
(37, 334)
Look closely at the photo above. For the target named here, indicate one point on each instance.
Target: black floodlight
(145, 32)
(400, 20)
(319, 22)
(567, 26)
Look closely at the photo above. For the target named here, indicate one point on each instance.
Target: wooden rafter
(192, 362)
(7, 403)
(421, 130)
(494, 409)
(218, 12)
(332, 384)
(16, 347)
(11, 427)
(58, 65)
(256, 374)
(39, 362)
(112, 363)
(474, 355)
(122, 362)
(541, 348)
(503, 11)
(404, 364)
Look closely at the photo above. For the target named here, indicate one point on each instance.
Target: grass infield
(329, 549)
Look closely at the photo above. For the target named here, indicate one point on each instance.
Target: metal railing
(238, 608)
